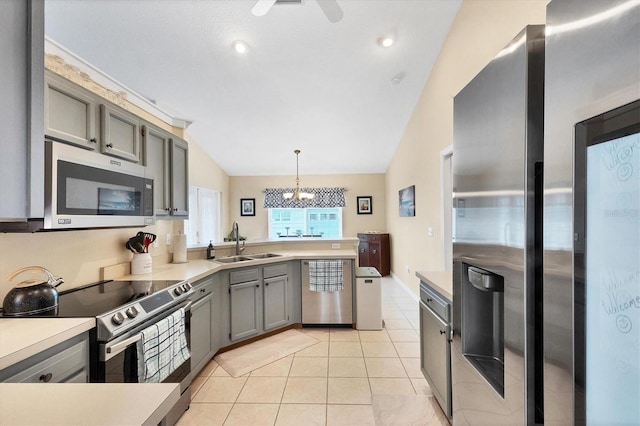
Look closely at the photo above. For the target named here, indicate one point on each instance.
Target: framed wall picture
(407, 201)
(365, 205)
(247, 206)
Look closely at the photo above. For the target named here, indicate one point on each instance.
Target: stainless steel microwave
(85, 189)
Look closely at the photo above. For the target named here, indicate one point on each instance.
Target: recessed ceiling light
(240, 46)
(386, 41)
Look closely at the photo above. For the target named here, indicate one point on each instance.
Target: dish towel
(162, 348)
(325, 275)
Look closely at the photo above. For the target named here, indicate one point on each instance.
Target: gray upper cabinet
(166, 158)
(22, 112)
(120, 133)
(179, 178)
(156, 159)
(69, 112)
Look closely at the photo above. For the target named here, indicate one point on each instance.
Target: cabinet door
(363, 254)
(201, 329)
(179, 178)
(275, 302)
(435, 356)
(65, 362)
(156, 159)
(244, 310)
(120, 133)
(375, 256)
(69, 113)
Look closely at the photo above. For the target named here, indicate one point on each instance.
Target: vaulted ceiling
(328, 89)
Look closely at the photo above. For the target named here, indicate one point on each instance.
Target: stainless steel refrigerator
(547, 227)
(497, 247)
(591, 213)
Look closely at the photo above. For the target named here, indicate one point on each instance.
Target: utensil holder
(141, 264)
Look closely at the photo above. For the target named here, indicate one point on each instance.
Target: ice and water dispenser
(482, 331)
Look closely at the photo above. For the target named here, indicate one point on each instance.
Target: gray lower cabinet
(435, 344)
(245, 303)
(261, 299)
(276, 302)
(202, 324)
(66, 362)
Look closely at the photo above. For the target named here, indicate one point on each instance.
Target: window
(204, 216)
(305, 222)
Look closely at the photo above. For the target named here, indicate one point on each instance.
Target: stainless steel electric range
(123, 309)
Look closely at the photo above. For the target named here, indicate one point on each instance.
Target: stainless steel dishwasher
(333, 306)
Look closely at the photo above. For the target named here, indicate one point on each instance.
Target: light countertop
(21, 338)
(86, 403)
(95, 403)
(194, 270)
(440, 281)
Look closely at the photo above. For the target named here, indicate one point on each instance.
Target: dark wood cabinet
(373, 250)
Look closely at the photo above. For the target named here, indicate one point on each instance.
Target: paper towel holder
(180, 248)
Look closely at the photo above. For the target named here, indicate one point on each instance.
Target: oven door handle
(116, 348)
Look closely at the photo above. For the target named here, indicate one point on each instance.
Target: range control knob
(178, 291)
(132, 312)
(186, 287)
(117, 318)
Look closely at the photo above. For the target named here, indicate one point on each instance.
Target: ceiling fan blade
(262, 7)
(331, 9)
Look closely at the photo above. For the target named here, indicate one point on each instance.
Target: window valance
(324, 197)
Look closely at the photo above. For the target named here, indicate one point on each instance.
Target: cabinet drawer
(436, 302)
(202, 289)
(275, 270)
(236, 277)
(62, 366)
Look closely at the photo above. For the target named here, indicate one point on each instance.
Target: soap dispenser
(211, 254)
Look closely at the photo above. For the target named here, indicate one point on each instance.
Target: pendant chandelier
(297, 194)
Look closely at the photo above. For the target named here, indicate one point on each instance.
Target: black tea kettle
(32, 297)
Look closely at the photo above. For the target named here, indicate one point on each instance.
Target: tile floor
(350, 377)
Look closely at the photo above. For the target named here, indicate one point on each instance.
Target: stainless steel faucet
(236, 231)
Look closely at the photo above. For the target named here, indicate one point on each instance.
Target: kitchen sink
(232, 259)
(263, 255)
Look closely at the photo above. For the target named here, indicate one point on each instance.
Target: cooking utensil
(147, 239)
(128, 245)
(32, 297)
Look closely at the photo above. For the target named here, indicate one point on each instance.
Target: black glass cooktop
(98, 298)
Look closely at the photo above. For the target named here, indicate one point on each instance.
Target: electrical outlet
(430, 231)
(168, 239)
(335, 245)
(408, 269)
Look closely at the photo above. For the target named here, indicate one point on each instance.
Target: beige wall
(481, 29)
(204, 172)
(352, 223)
